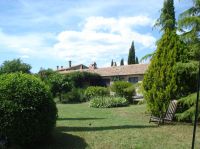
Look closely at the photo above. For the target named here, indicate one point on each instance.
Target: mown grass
(80, 126)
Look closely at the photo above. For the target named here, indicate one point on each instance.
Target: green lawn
(79, 126)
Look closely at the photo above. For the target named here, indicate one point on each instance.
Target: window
(133, 79)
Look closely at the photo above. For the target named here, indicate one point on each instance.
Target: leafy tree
(161, 82)
(59, 84)
(122, 62)
(45, 73)
(15, 65)
(136, 60)
(131, 55)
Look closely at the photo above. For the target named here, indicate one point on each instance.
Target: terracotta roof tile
(135, 69)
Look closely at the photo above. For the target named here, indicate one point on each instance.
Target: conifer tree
(167, 16)
(131, 55)
(189, 24)
(160, 82)
(122, 62)
(112, 63)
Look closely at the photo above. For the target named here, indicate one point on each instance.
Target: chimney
(57, 67)
(93, 66)
(70, 64)
(81, 67)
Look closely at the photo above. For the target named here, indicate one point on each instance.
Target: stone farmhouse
(131, 73)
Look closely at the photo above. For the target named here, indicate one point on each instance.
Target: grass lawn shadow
(63, 119)
(62, 140)
(91, 128)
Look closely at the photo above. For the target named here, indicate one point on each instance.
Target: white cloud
(25, 45)
(102, 38)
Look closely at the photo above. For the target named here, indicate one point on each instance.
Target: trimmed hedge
(27, 111)
(108, 102)
(93, 91)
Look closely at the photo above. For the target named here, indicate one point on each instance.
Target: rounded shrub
(93, 91)
(108, 102)
(129, 92)
(27, 111)
(123, 89)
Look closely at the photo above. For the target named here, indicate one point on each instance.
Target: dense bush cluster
(123, 89)
(27, 110)
(69, 88)
(108, 102)
(74, 96)
(84, 79)
(93, 91)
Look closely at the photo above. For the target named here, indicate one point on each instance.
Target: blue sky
(47, 33)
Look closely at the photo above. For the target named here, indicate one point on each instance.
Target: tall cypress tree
(167, 17)
(131, 55)
(112, 63)
(122, 62)
(160, 81)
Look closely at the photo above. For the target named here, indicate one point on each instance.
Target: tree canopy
(15, 65)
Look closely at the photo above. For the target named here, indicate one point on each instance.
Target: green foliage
(44, 74)
(27, 110)
(93, 91)
(186, 77)
(15, 65)
(167, 17)
(187, 110)
(161, 82)
(108, 102)
(59, 84)
(129, 92)
(147, 57)
(84, 79)
(131, 55)
(76, 95)
(123, 89)
(188, 23)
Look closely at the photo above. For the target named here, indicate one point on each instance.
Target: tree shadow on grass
(60, 140)
(91, 128)
(63, 119)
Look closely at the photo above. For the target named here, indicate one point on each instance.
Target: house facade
(131, 73)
